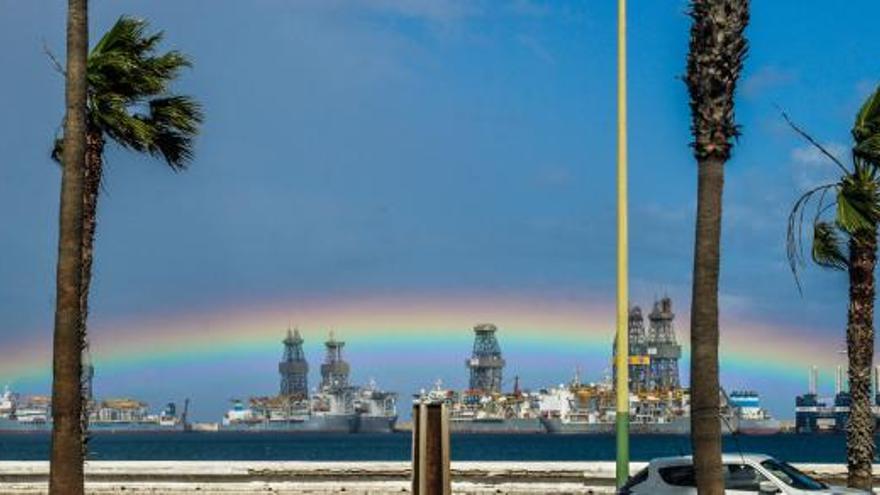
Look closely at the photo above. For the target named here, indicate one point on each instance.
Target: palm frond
(129, 99)
(127, 35)
(869, 149)
(867, 122)
(858, 202)
(176, 112)
(828, 247)
(804, 134)
(794, 231)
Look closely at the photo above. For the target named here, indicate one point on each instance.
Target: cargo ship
(335, 407)
(752, 419)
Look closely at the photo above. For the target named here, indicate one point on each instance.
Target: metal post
(430, 450)
(622, 354)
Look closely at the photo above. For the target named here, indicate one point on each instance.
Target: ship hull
(513, 425)
(337, 423)
(376, 424)
(678, 426)
(759, 426)
(13, 426)
(132, 427)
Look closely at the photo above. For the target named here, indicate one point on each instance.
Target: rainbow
(540, 327)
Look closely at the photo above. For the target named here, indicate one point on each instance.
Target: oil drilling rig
(653, 353)
(294, 368)
(485, 364)
(335, 370)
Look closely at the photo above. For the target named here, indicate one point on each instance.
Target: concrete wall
(349, 478)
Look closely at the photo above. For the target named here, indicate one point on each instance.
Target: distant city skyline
(399, 171)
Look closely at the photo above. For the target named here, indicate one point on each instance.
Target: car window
(791, 476)
(742, 477)
(678, 475)
(639, 478)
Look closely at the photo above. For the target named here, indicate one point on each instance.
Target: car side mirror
(767, 486)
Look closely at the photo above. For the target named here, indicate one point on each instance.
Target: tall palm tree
(66, 469)
(844, 226)
(129, 103)
(715, 58)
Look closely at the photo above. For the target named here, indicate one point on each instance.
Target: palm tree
(66, 468)
(844, 227)
(129, 103)
(715, 58)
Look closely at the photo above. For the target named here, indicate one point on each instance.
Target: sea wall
(324, 478)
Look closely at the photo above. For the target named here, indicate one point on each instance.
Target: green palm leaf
(129, 98)
(828, 248)
(867, 122)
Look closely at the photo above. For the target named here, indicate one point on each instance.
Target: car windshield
(791, 476)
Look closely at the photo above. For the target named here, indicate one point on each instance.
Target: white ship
(752, 418)
(336, 406)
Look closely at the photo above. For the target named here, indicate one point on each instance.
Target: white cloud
(767, 77)
(427, 10)
(810, 167)
(811, 155)
(555, 176)
(536, 47)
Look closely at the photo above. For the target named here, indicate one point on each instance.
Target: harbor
(659, 402)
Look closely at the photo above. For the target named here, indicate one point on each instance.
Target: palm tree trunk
(705, 408)
(91, 188)
(66, 468)
(860, 350)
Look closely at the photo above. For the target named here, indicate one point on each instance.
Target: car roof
(725, 458)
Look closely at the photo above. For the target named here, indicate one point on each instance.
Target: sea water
(250, 446)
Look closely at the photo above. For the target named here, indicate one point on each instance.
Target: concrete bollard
(430, 450)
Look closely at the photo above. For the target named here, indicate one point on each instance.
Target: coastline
(350, 478)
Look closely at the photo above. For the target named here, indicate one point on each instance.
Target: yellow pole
(622, 351)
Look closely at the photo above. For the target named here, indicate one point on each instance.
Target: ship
(473, 411)
(376, 409)
(33, 413)
(752, 419)
(658, 404)
(335, 407)
(483, 407)
(126, 414)
(285, 414)
(590, 409)
(24, 413)
(815, 414)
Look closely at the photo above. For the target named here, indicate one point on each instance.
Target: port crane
(183, 420)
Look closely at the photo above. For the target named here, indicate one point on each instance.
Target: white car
(743, 473)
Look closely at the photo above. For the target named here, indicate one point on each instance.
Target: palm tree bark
(66, 468)
(92, 175)
(91, 188)
(860, 350)
(715, 58)
(705, 408)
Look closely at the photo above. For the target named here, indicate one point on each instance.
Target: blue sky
(404, 146)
